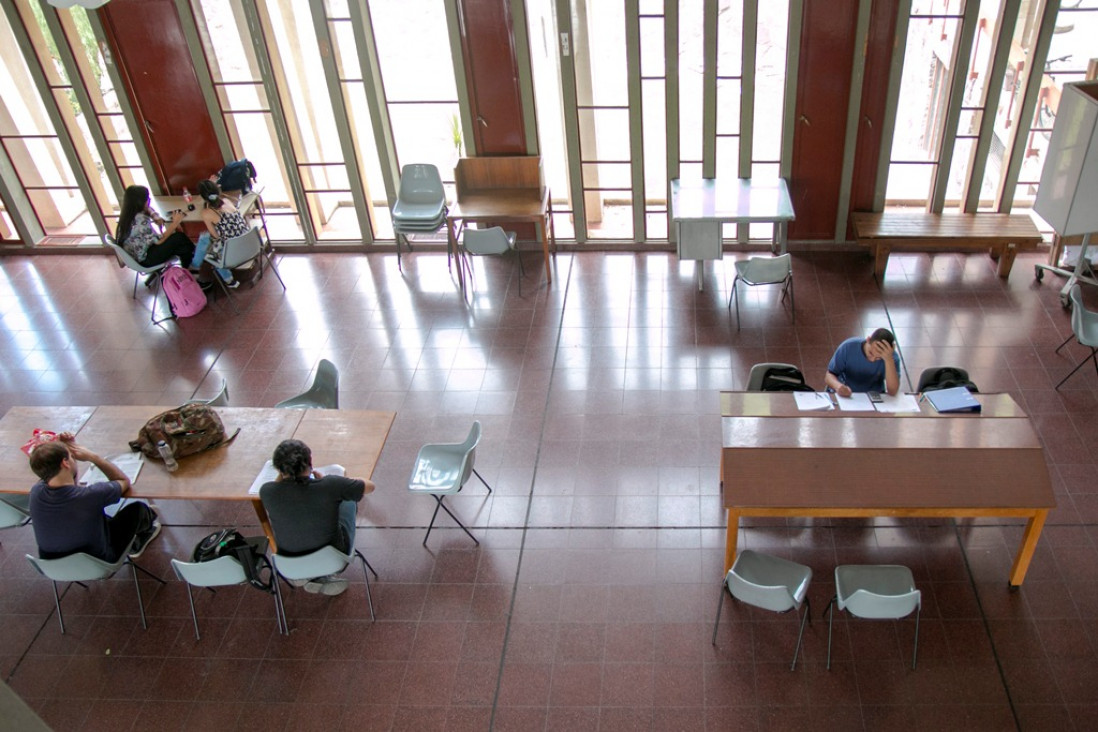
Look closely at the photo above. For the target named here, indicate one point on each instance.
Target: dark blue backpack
(237, 176)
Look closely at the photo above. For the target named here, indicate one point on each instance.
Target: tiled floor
(590, 602)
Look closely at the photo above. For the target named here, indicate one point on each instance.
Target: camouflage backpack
(187, 429)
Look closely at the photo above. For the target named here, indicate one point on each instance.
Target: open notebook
(269, 473)
(128, 462)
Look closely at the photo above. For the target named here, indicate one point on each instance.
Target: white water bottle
(166, 455)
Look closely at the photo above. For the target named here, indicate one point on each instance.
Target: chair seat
(763, 270)
(488, 241)
(875, 590)
(408, 211)
(324, 561)
(437, 469)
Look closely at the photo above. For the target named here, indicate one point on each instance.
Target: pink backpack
(184, 295)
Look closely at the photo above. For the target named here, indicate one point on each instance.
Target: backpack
(185, 297)
(187, 429)
(237, 176)
(947, 377)
(784, 379)
(231, 543)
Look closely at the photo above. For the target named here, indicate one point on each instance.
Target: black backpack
(784, 378)
(237, 176)
(251, 553)
(946, 377)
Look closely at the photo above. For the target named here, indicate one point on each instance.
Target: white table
(700, 206)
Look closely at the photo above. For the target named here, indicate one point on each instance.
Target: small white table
(699, 206)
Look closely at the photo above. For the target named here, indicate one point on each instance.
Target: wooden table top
(783, 404)
(352, 438)
(870, 460)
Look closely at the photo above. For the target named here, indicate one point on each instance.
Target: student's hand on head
(80, 453)
(880, 350)
(67, 437)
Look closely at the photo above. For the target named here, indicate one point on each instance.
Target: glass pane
(728, 106)
(604, 134)
(908, 184)
(224, 33)
(542, 28)
(655, 147)
(730, 38)
(607, 175)
(422, 135)
(419, 70)
(962, 160)
(243, 97)
(615, 217)
(651, 47)
(656, 224)
(691, 63)
(728, 157)
(324, 177)
(770, 79)
(600, 54)
(343, 37)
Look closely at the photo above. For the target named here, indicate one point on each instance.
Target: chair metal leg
(194, 615)
(1092, 356)
(451, 514)
(57, 604)
(720, 605)
(915, 655)
(438, 505)
(139, 568)
(800, 635)
(482, 480)
(733, 299)
(274, 269)
(280, 608)
(366, 576)
(830, 615)
(1066, 341)
(137, 586)
(156, 299)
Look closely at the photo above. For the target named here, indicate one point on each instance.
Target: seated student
(309, 511)
(146, 235)
(69, 518)
(865, 365)
(223, 221)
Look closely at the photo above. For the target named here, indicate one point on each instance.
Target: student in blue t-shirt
(865, 365)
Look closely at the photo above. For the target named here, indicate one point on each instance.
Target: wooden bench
(1001, 234)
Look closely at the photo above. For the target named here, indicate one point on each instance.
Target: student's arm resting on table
(835, 383)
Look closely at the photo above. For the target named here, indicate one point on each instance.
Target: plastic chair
(938, 377)
(770, 583)
(421, 203)
(13, 511)
(323, 394)
(154, 273)
(1084, 328)
(324, 561)
(442, 469)
(238, 251)
(757, 271)
(759, 371)
(489, 242)
(875, 592)
(81, 567)
(220, 572)
(221, 399)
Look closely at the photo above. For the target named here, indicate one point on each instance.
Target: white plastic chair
(490, 242)
(13, 511)
(758, 373)
(770, 583)
(221, 399)
(81, 567)
(324, 561)
(238, 251)
(421, 203)
(1084, 328)
(154, 272)
(757, 271)
(442, 469)
(220, 572)
(875, 592)
(323, 394)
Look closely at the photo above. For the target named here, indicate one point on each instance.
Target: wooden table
(503, 207)
(701, 206)
(351, 438)
(1001, 234)
(778, 461)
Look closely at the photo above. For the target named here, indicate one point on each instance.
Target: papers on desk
(856, 402)
(268, 473)
(898, 404)
(128, 462)
(813, 401)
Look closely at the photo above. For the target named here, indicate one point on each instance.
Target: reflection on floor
(590, 601)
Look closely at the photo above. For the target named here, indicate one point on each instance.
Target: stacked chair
(421, 204)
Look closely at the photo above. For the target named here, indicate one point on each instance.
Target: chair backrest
(216, 573)
(12, 516)
(768, 597)
(1084, 323)
(469, 447)
(759, 372)
(241, 249)
(324, 561)
(486, 241)
(79, 567)
(866, 604)
(323, 394)
(221, 399)
(767, 270)
(420, 183)
(127, 260)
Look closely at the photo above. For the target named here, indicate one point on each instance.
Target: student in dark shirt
(69, 518)
(309, 511)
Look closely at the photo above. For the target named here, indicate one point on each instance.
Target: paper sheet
(128, 462)
(812, 401)
(856, 402)
(268, 473)
(899, 404)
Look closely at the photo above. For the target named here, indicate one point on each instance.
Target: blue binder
(955, 399)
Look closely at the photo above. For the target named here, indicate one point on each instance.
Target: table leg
(264, 522)
(1029, 544)
(453, 230)
(730, 539)
(1006, 259)
(545, 248)
(880, 259)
